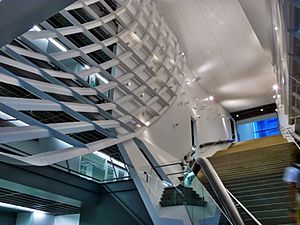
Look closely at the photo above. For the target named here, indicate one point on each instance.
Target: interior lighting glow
(87, 66)
(102, 78)
(275, 87)
(181, 53)
(53, 41)
(57, 44)
(211, 98)
(198, 116)
(142, 95)
(38, 214)
(237, 115)
(155, 58)
(147, 123)
(107, 158)
(261, 110)
(135, 37)
(276, 28)
(276, 110)
(10, 206)
(35, 28)
(274, 96)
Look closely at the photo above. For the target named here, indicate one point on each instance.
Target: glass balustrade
(189, 193)
(210, 213)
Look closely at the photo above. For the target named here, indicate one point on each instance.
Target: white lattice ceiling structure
(95, 67)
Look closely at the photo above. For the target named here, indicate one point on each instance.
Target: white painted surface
(209, 151)
(222, 50)
(67, 220)
(172, 132)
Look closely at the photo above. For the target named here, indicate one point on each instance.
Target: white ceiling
(223, 50)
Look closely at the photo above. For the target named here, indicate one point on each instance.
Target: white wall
(172, 132)
(67, 220)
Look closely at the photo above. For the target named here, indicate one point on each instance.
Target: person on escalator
(291, 177)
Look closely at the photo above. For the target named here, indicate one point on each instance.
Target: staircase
(252, 171)
(180, 196)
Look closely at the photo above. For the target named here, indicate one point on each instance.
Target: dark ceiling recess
(37, 203)
(253, 112)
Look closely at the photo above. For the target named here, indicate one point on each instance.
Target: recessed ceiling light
(127, 84)
(261, 110)
(187, 81)
(276, 110)
(147, 123)
(198, 116)
(276, 28)
(275, 87)
(181, 53)
(211, 98)
(135, 37)
(274, 96)
(142, 95)
(155, 58)
(236, 115)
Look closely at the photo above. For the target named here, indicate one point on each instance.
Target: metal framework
(92, 68)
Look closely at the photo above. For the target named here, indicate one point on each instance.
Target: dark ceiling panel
(254, 112)
(17, 17)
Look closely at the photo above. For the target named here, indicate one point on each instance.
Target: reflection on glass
(210, 213)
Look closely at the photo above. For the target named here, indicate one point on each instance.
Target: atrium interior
(148, 112)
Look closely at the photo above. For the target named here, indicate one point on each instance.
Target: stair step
(254, 177)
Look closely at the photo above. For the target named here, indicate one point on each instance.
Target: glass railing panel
(209, 212)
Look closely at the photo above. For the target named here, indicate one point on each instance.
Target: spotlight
(275, 87)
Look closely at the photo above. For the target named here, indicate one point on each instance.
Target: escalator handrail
(220, 191)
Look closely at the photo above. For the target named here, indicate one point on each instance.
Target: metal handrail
(292, 135)
(224, 194)
(168, 164)
(220, 191)
(244, 208)
(215, 143)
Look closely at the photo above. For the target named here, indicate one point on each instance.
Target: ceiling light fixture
(275, 87)
(261, 110)
(127, 84)
(155, 58)
(142, 95)
(236, 115)
(181, 53)
(276, 110)
(135, 37)
(11, 206)
(276, 28)
(211, 98)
